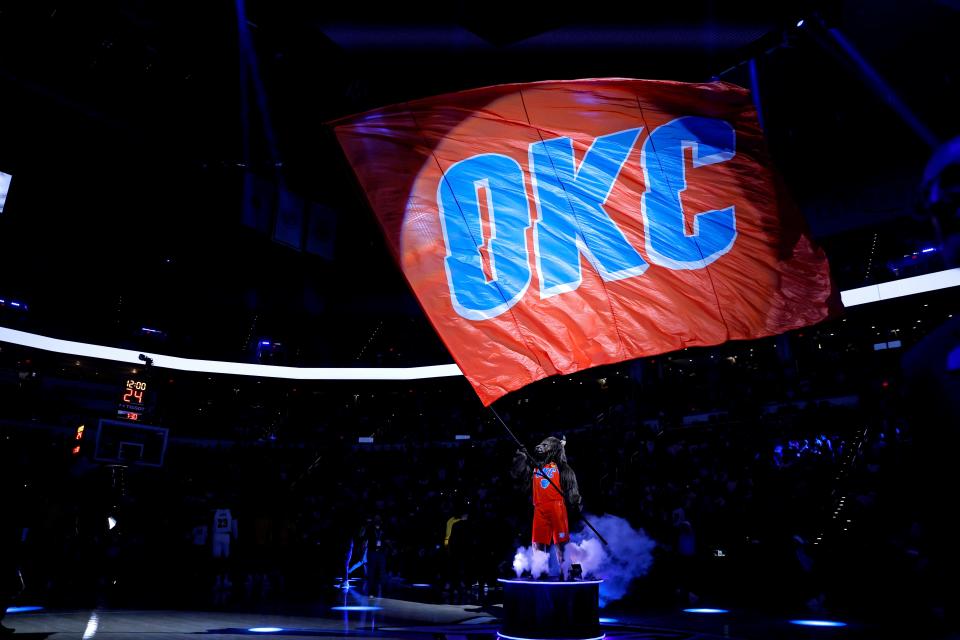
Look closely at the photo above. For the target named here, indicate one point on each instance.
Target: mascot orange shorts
(550, 525)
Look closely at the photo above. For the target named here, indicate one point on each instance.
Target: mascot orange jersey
(543, 490)
(553, 488)
(550, 524)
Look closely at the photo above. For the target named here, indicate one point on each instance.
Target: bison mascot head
(550, 449)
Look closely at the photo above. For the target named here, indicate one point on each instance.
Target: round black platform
(540, 610)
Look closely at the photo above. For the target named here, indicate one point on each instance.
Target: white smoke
(627, 555)
(531, 559)
(589, 554)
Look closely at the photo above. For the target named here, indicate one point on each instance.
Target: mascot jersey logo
(545, 474)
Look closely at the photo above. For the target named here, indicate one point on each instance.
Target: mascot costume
(554, 489)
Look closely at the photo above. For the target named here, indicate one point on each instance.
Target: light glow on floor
(705, 610)
(818, 623)
(23, 609)
(93, 623)
(503, 635)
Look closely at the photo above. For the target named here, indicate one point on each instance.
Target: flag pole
(539, 468)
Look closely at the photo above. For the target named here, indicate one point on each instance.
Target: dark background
(155, 149)
(131, 128)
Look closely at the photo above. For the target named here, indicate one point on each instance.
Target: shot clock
(133, 402)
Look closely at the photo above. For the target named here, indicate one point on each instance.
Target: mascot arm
(571, 488)
(521, 469)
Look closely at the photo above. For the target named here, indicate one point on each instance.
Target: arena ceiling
(129, 128)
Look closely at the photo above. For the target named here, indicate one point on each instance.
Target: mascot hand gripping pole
(554, 489)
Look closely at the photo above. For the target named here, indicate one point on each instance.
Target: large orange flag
(555, 226)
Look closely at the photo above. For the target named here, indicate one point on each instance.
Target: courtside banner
(554, 226)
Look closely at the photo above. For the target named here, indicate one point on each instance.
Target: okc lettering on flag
(554, 226)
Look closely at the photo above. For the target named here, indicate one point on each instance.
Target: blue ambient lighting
(356, 607)
(549, 584)
(608, 620)
(705, 611)
(421, 585)
(501, 635)
(265, 629)
(23, 609)
(818, 623)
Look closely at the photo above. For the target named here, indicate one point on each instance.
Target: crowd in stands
(765, 472)
(725, 503)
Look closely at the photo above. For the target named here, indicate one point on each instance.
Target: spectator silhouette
(377, 550)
